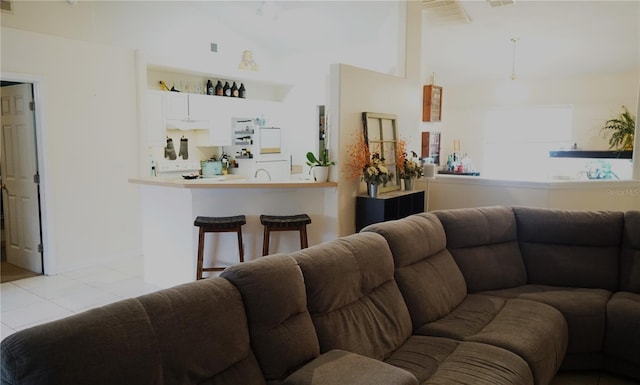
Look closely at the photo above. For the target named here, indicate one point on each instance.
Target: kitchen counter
(448, 191)
(170, 206)
(229, 181)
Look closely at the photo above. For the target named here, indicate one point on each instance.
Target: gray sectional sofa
(492, 295)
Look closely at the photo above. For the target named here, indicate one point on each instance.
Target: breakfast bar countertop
(229, 181)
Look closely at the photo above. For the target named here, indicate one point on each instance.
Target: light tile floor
(32, 301)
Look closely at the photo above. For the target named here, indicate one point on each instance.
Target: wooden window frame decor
(381, 136)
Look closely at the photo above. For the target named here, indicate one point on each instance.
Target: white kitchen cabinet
(176, 106)
(183, 111)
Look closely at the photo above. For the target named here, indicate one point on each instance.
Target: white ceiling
(557, 38)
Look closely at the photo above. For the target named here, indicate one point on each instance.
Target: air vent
(500, 3)
(6, 5)
(439, 12)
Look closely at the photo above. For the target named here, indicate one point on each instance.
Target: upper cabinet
(191, 109)
(188, 111)
(432, 103)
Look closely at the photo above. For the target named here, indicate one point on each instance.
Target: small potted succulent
(320, 165)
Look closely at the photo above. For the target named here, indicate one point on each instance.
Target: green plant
(622, 130)
(321, 161)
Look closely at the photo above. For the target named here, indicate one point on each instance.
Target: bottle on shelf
(234, 90)
(219, 89)
(210, 90)
(242, 92)
(226, 89)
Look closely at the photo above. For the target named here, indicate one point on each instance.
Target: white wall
(595, 98)
(87, 65)
(89, 115)
(358, 91)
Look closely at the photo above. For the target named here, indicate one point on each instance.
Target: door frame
(46, 220)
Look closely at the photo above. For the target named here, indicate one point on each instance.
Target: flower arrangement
(369, 166)
(407, 167)
(375, 172)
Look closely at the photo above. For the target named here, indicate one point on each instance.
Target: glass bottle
(234, 90)
(226, 89)
(210, 90)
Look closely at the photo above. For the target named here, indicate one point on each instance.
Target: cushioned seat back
(353, 299)
(282, 334)
(192, 334)
(113, 344)
(202, 334)
(484, 243)
(630, 261)
(571, 248)
(427, 275)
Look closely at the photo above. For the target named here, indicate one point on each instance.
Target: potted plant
(411, 170)
(320, 165)
(375, 173)
(622, 130)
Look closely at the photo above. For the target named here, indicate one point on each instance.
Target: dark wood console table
(388, 206)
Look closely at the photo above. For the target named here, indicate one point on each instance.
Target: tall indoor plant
(622, 129)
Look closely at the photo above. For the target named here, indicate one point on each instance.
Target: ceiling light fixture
(500, 3)
(514, 91)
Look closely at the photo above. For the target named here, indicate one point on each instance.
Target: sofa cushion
(535, 331)
(570, 248)
(113, 344)
(202, 334)
(353, 299)
(428, 277)
(341, 367)
(622, 342)
(280, 327)
(436, 361)
(484, 244)
(630, 257)
(584, 310)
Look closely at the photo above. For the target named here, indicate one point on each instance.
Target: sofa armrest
(341, 367)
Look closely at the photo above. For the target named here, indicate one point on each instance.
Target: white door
(19, 169)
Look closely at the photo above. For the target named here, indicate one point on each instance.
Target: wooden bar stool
(218, 225)
(284, 223)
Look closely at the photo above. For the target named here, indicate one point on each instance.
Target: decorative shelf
(591, 154)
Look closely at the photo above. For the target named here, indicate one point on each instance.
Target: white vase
(320, 173)
(372, 190)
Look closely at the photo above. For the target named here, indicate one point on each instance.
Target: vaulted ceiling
(556, 38)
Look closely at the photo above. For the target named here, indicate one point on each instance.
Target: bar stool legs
(284, 223)
(217, 225)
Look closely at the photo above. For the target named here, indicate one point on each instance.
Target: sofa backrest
(570, 248)
(352, 296)
(630, 257)
(428, 277)
(202, 334)
(484, 244)
(282, 334)
(192, 334)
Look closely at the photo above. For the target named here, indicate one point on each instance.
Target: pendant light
(514, 40)
(514, 91)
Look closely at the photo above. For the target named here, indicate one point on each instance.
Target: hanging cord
(514, 40)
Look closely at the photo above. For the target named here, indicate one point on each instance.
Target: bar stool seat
(231, 224)
(284, 223)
